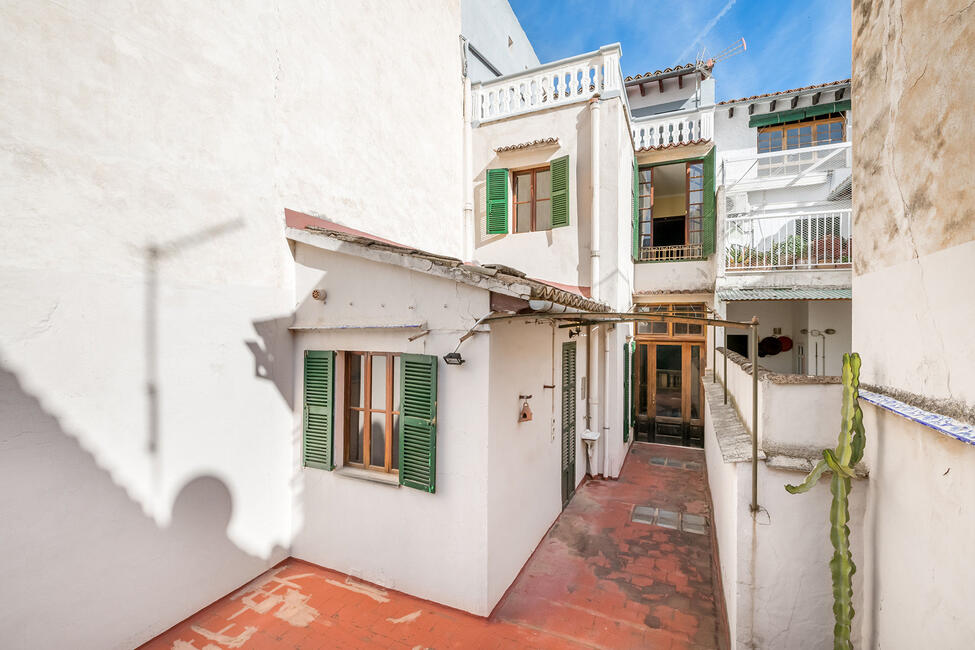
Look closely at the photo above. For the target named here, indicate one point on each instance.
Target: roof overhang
(795, 293)
(325, 235)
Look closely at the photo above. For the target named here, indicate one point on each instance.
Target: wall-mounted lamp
(576, 332)
(453, 359)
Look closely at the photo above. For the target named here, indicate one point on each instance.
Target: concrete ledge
(733, 439)
(778, 378)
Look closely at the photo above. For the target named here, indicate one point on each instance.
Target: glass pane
(356, 373)
(378, 383)
(543, 184)
(775, 141)
(641, 355)
(792, 139)
(697, 196)
(524, 221)
(646, 227)
(694, 234)
(695, 210)
(396, 373)
(696, 182)
(356, 424)
(822, 133)
(805, 136)
(377, 440)
(523, 187)
(836, 132)
(667, 382)
(543, 215)
(645, 203)
(658, 328)
(680, 329)
(696, 170)
(695, 380)
(645, 176)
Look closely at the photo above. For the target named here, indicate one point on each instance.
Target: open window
(675, 210)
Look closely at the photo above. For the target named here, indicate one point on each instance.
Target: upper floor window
(532, 198)
(811, 132)
(538, 200)
(372, 410)
(664, 328)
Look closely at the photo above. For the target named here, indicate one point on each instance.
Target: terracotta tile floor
(597, 580)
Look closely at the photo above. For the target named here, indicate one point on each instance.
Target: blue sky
(791, 43)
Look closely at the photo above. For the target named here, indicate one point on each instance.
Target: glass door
(668, 392)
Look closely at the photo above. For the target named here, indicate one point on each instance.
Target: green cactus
(841, 461)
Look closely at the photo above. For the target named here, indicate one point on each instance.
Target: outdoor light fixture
(575, 332)
(453, 359)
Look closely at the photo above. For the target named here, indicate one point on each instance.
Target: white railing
(784, 168)
(812, 240)
(554, 84)
(671, 253)
(675, 128)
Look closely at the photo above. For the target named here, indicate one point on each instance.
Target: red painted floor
(597, 580)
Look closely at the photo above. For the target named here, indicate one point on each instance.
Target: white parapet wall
(774, 563)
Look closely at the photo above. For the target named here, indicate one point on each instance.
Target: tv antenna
(704, 63)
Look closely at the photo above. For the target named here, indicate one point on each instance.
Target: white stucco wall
(488, 25)
(919, 518)
(428, 545)
(524, 458)
(189, 128)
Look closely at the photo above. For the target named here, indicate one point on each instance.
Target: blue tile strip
(940, 423)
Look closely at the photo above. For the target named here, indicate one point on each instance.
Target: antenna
(705, 63)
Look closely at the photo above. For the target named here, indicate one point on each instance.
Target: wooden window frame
(640, 211)
(366, 410)
(674, 308)
(784, 128)
(688, 204)
(532, 200)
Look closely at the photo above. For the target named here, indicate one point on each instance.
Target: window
(389, 409)
(810, 132)
(533, 205)
(371, 410)
(674, 211)
(661, 328)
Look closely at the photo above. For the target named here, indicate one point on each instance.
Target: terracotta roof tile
(828, 84)
(674, 145)
(525, 145)
(648, 76)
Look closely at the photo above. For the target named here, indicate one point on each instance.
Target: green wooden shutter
(559, 176)
(318, 409)
(708, 236)
(626, 392)
(418, 422)
(636, 210)
(497, 201)
(633, 386)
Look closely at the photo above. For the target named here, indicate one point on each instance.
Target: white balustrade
(563, 82)
(676, 128)
(812, 240)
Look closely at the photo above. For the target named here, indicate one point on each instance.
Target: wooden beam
(815, 98)
(643, 91)
(771, 106)
(839, 94)
(731, 111)
(680, 81)
(751, 109)
(660, 84)
(794, 102)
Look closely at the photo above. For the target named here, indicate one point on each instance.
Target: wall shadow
(84, 565)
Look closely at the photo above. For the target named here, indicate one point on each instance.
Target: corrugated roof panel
(803, 293)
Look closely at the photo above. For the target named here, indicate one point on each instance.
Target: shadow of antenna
(156, 254)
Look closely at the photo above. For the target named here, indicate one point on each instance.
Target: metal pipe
(594, 212)
(714, 354)
(754, 341)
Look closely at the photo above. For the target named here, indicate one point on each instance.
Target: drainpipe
(605, 399)
(592, 401)
(468, 229)
(594, 173)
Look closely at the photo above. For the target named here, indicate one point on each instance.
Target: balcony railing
(784, 168)
(671, 253)
(554, 84)
(816, 240)
(675, 128)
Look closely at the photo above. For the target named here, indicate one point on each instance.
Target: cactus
(841, 461)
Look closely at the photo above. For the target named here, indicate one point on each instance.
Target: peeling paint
(377, 594)
(409, 618)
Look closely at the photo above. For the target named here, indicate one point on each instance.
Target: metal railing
(814, 240)
(671, 253)
(784, 168)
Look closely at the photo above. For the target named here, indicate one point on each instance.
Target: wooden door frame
(685, 344)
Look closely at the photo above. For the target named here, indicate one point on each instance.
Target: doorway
(568, 422)
(668, 392)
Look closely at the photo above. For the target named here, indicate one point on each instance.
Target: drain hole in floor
(689, 523)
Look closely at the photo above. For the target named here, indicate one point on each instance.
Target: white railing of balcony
(812, 240)
(554, 84)
(783, 168)
(675, 128)
(671, 253)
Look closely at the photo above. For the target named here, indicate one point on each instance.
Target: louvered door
(568, 421)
